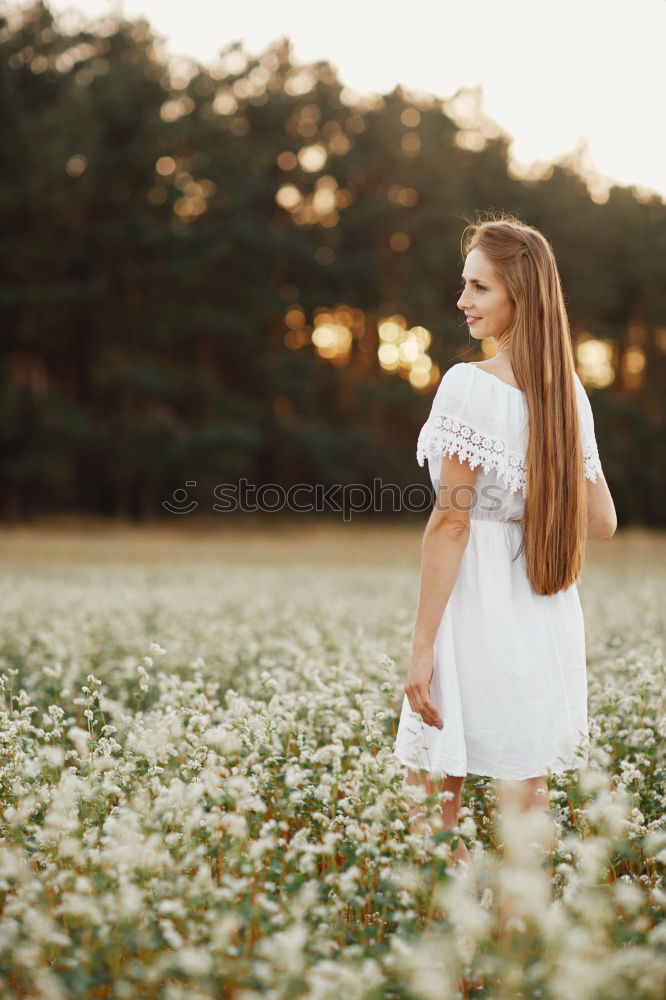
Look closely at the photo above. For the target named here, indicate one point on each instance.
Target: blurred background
(223, 261)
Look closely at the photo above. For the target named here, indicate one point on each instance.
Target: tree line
(174, 236)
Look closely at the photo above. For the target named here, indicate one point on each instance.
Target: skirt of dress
(510, 675)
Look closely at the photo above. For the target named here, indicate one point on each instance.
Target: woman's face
(484, 300)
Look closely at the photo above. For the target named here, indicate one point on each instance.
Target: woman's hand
(417, 688)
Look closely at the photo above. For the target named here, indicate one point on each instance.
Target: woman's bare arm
(442, 548)
(601, 516)
(444, 541)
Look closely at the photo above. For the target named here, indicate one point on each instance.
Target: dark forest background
(195, 268)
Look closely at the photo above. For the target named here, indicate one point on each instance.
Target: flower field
(198, 798)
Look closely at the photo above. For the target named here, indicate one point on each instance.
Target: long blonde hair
(555, 515)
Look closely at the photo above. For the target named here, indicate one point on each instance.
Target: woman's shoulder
(502, 372)
(488, 382)
(454, 386)
(479, 398)
(457, 374)
(457, 369)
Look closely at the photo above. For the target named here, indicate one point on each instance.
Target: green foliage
(143, 307)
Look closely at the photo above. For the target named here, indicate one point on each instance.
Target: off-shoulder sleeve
(461, 423)
(591, 461)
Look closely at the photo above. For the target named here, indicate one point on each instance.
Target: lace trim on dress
(591, 462)
(443, 435)
(448, 435)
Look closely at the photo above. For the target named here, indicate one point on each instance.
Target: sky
(556, 75)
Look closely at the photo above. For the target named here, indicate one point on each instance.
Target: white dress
(510, 675)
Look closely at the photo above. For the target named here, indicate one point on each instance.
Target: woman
(497, 683)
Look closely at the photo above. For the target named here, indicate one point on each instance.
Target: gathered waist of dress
(488, 519)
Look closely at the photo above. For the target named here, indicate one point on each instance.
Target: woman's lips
(473, 319)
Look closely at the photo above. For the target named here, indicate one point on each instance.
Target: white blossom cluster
(199, 798)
